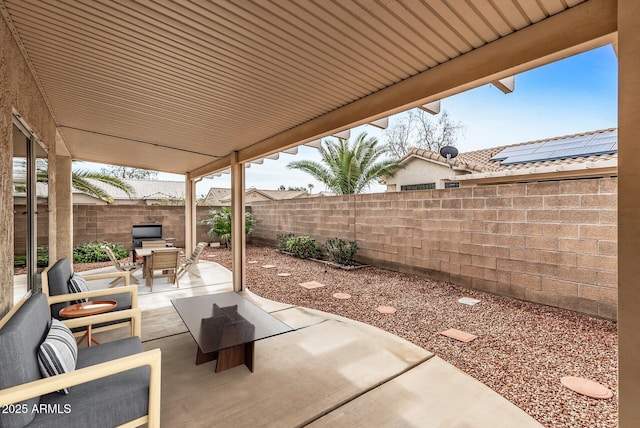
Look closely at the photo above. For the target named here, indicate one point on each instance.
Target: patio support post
(238, 246)
(64, 208)
(189, 215)
(628, 211)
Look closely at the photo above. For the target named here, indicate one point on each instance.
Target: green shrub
(304, 247)
(43, 256)
(90, 252)
(20, 261)
(340, 251)
(219, 223)
(282, 239)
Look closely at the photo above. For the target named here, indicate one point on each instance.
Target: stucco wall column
(64, 208)
(238, 244)
(629, 211)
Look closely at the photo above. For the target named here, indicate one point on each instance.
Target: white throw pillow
(58, 353)
(78, 284)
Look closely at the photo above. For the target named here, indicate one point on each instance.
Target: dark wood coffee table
(225, 326)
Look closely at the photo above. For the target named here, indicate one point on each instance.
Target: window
(451, 184)
(425, 186)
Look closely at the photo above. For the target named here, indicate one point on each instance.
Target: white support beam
(380, 123)
(343, 135)
(238, 245)
(431, 108)
(291, 151)
(274, 156)
(585, 26)
(316, 144)
(506, 85)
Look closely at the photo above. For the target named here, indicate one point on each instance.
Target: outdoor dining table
(145, 253)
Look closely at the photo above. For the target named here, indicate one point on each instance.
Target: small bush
(304, 247)
(19, 261)
(282, 239)
(43, 256)
(90, 252)
(340, 251)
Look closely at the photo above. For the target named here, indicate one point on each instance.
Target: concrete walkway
(329, 372)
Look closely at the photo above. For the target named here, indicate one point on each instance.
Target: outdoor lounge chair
(166, 260)
(122, 267)
(186, 264)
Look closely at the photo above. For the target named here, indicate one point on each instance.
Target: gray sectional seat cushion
(20, 341)
(106, 402)
(58, 278)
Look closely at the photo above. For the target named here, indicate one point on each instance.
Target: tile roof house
(222, 196)
(145, 192)
(589, 154)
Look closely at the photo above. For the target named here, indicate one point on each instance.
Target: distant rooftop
(585, 147)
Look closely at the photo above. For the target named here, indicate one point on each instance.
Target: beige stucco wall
(419, 171)
(18, 90)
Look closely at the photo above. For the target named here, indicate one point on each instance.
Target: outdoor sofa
(113, 384)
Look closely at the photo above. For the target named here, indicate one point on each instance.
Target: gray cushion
(58, 277)
(20, 341)
(105, 402)
(78, 284)
(58, 353)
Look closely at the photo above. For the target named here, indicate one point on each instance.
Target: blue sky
(574, 95)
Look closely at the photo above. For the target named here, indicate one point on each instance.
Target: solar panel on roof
(572, 147)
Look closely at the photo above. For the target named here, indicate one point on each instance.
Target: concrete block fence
(553, 243)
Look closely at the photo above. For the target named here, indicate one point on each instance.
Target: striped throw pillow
(78, 284)
(58, 353)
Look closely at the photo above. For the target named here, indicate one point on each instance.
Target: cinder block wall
(553, 243)
(113, 222)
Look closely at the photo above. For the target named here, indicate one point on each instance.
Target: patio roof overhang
(179, 86)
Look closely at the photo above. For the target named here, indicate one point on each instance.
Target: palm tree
(347, 168)
(81, 180)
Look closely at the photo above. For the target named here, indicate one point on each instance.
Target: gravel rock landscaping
(522, 350)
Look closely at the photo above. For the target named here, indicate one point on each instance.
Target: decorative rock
(468, 301)
(311, 285)
(586, 387)
(252, 262)
(284, 274)
(342, 296)
(386, 309)
(460, 335)
(268, 266)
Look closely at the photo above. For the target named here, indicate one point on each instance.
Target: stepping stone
(586, 387)
(469, 301)
(386, 309)
(268, 266)
(311, 285)
(283, 274)
(460, 335)
(342, 296)
(252, 262)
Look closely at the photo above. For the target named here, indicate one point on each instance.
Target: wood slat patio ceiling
(172, 85)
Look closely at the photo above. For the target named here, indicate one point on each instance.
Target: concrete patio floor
(330, 371)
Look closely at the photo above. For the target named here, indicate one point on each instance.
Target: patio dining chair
(122, 267)
(188, 263)
(166, 260)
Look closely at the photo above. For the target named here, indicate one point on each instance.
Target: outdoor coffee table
(85, 309)
(225, 326)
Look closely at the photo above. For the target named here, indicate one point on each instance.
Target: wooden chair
(186, 264)
(154, 244)
(122, 267)
(166, 260)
